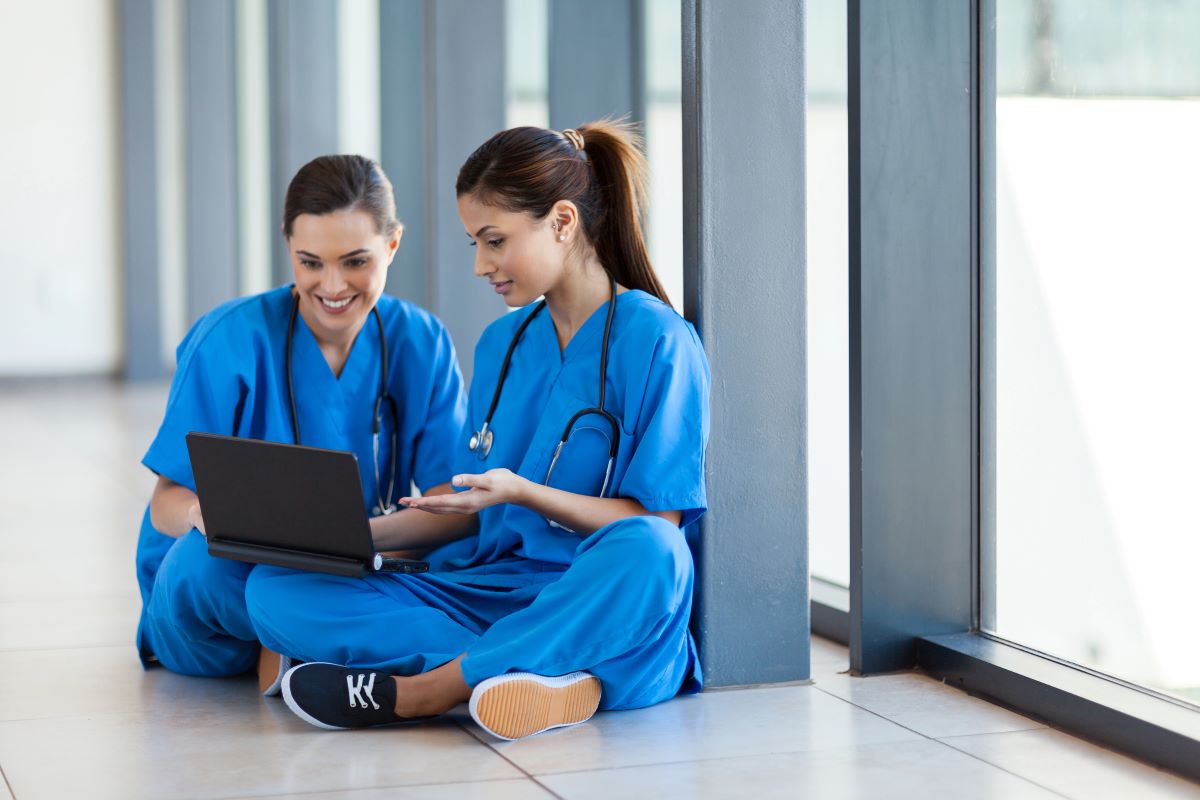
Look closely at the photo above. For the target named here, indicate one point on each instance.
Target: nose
(482, 267)
(332, 280)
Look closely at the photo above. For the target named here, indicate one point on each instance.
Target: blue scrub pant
(195, 622)
(619, 611)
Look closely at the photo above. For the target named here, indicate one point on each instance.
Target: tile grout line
(945, 744)
(508, 760)
(8, 785)
(317, 792)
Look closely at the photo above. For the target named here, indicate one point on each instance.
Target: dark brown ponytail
(531, 169)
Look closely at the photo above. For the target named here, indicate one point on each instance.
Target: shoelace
(356, 690)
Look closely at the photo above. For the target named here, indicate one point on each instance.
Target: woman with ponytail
(581, 469)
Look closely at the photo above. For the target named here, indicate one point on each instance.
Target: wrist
(523, 491)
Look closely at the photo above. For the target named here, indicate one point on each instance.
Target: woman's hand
(487, 489)
(196, 519)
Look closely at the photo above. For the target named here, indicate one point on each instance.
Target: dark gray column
(139, 166)
(304, 109)
(596, 61)
(211, 123)
(912, 257)
(465, 107)
(403, 121)
(744, 285)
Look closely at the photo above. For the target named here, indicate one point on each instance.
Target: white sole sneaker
(521, 704)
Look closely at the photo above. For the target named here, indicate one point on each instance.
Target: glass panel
(664, 143)
(1091, 389)
(527, 62)
(827, 165)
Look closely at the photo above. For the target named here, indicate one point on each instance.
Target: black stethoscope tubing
(481, 441)
(382, 396)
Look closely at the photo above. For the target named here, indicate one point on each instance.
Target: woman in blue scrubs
(573, 590)
(232, 378)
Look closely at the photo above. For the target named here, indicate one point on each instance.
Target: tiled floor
(78, 717)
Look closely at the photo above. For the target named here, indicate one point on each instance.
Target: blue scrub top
(657, 388)
(230, 379)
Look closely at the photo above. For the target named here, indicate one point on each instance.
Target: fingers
(472, 481)
(463, 503)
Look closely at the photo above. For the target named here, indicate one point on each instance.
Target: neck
(334, 346)
(583, 289)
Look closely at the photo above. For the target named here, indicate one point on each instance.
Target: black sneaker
(335, 698)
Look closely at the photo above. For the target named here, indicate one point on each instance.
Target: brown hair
(335, 183)
(531, 169)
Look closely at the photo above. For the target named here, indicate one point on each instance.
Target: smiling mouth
(502, 286)
(336, 305)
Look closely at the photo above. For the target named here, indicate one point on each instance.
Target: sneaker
(521, 704)
(271, 668)
(335, 698)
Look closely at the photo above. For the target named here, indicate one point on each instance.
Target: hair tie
(574, 137)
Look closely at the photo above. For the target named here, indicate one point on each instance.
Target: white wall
(60, 204)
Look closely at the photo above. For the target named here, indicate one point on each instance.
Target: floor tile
(69, 622)
(110, 680)
(521, 789)
(828, 653)
(262, 750)
(893, 771)
(710, 725)
(923, 704)
(1074, 767)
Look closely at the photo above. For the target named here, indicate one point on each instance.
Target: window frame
(917, 608)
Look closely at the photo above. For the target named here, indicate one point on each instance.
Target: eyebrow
(357, 252)
(482, 230)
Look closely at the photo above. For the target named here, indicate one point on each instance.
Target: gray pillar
(403, 121)
(596, 61)
(304, 108)
(465, 107)
(212, 188)
(912, 261)
(139, 150)
(744, 285)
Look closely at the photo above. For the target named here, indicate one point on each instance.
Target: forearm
(170, 506)
(413, 529)
(582, 513)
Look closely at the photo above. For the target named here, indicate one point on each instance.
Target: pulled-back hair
(336, 183)
(530, 169)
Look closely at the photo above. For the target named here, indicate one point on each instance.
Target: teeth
(336, 303)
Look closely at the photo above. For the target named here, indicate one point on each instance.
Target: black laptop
(287, 505)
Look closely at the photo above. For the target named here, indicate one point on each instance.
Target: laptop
(287, 505)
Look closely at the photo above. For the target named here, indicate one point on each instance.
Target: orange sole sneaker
(521, 704)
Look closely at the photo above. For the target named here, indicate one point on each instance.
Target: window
(1091, 539)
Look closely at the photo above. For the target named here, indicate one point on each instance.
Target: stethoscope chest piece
(481, 442)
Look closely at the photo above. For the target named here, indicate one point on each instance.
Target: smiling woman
(299, 358)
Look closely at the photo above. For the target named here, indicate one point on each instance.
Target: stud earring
(562, 237)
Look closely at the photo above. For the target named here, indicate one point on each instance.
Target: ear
(393, 243)
(564, 220)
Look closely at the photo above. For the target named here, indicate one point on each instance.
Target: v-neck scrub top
(657, 388)
(230, 379)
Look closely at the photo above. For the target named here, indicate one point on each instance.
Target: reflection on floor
(79, 718)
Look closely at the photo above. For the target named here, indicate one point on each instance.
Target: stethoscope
(481, 441)
(381, 397)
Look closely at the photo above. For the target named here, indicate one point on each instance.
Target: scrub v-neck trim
(351, 367)
(592, 329)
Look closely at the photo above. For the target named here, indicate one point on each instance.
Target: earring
(562, 237)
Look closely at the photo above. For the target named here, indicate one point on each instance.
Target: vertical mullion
(744, 215)
(211, 156)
